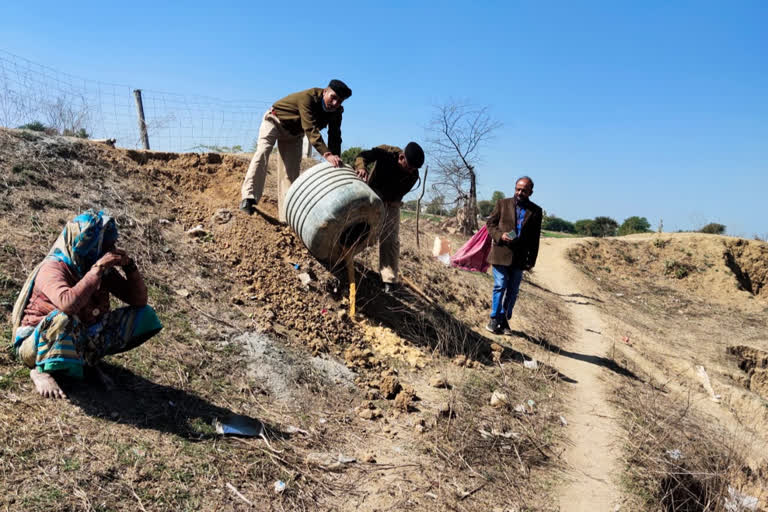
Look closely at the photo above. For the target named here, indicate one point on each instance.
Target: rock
(370, 414)
(495, 347)
(368, 411)
(404, 398)
(369, 457)
(499, 399)
(389, 386)
(183, 292)
(438, 381)
(197, 231)
(222, 216)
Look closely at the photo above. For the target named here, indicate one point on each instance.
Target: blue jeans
(506, 284)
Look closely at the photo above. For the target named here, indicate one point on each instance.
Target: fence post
(142, 122)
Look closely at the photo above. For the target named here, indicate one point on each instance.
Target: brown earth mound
(721, 269)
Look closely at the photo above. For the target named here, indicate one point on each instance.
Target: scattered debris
(531, 364)
(197, 231)
(238, 494)
(498, 399)
(329, 461)
(238, 425)
(279, 486)
(739, 502)
(182, 292)
(701, 373)
(305, 279)
(163, 221)
(626, 340)
(563, 421)
(294, 430)
(675, 454)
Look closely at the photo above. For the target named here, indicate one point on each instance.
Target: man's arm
(334, 133)
(533, 252)
(309, 125)
(493, 223)
(365, 158)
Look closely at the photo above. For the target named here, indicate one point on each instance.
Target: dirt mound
(749, 263)
(718, 269)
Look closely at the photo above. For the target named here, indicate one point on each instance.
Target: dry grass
(677, 301)
(676, 458)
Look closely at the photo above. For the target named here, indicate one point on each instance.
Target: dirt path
(593, 467)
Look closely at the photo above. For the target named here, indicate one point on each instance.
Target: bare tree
(459, 130)
(68, 115)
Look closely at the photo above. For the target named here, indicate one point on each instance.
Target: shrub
(349, 155)
(634, 224)
(35, 126)
(583, 227)
(485, 207)
(677, 269)
(604, 226)
(713, 228)
(557, 224)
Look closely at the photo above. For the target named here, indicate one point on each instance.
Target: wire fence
(31, 92)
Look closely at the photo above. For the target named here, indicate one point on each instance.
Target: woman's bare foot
(46, 385)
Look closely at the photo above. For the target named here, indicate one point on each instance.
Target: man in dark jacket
(515, 227)
(391, 172)
(286, 123)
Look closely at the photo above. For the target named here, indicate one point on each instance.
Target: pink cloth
(473, 256)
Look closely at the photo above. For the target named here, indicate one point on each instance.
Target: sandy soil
(590, 482)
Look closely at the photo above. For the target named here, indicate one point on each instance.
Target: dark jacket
(302, 113)
(523, 250)
(390, 181)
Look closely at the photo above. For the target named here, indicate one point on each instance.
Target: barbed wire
(32, 92)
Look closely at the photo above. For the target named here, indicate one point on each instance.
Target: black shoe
(493, 327)
(248, 206)
(505, 329)
(390, 288)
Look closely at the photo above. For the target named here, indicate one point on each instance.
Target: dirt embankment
(418, 445)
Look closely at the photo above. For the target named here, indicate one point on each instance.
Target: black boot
(493, 326)
(248, 206)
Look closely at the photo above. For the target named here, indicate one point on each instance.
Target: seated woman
(62, 319)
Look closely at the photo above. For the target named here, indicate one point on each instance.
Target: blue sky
(657, 109)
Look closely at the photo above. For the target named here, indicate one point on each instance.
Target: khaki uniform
(390, 182)
(286, 123)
